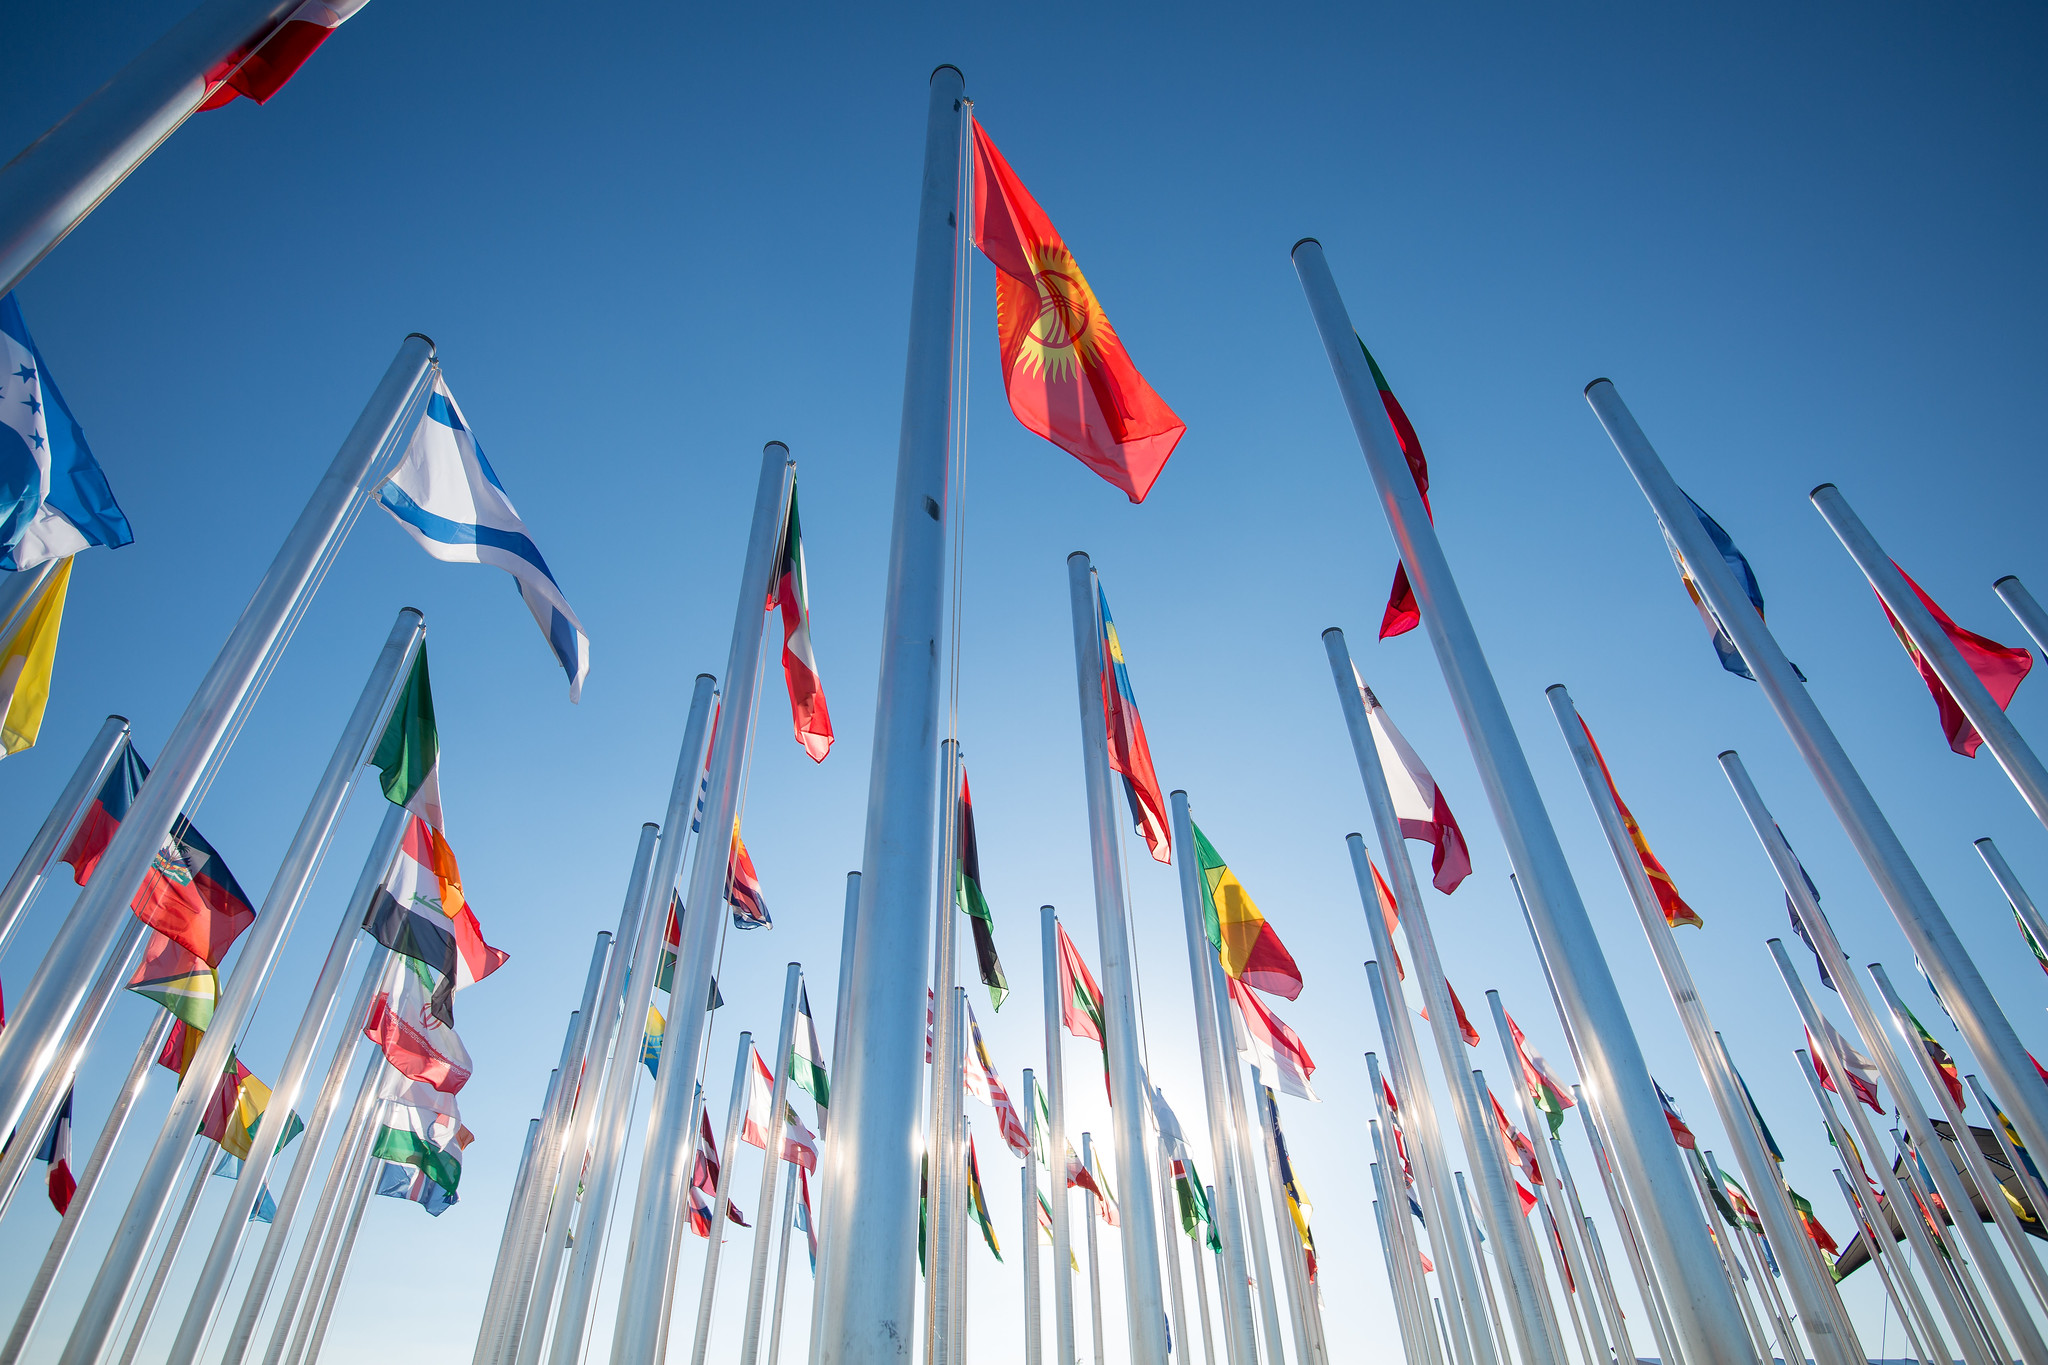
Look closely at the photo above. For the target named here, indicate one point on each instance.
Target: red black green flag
(967, 895)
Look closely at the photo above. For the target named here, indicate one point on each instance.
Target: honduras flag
(54, 501)
(445, 492)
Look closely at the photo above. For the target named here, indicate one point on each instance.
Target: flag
(806, 1058)
(791, 592)
(1045, 1230)
(1067, 373)
(760, 1101)
(399, 1181)
(803, 1216)
(1080, 997)
(409, 751)
(1738, 564)
(671, 939)
(1738, 1199)
(799, 1144)
(403, 1024)
(968, 896)
(1862, 1071)
(1466, 1029)
(982, 1082)
(1811, 1222)
(181, 1045)
(743, 887)
(55, 1152)
(1298, 1207)
(2033, 943)
(445, 493)
(178, 979)
(704, 1183)
(976, 1203)
(1402, 614)
(2001, 668)
(1129, 752)
(399, 1088)
(1943, 1063)
(1676, 911)
(237, 1103)
(408, 1137)
(265, 1208)
(1244, 942)
(650, 1041)
(1770, 1143)
(1390, 910)
(27, 655)
(1092, 1179)
(1680, 1134)
(1799, 927)
(419, 912)
(1195, 1212)
(1521, 1155)
(1273, 1047)
(54, 501)
(1418, 801)
(260, 68)
(1546, 1091)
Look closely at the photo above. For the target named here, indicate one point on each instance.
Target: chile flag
(188, 894)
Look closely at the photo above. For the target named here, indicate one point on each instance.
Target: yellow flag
(25, 660)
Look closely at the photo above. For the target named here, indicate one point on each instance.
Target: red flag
(1862, 1071)
(1680, 1134)
(1402, 614)
(1273, 1047)
(2001, 668)
(261, 68)
(792, 593)
(1676, 911)
(1465, 1028)
(1129, 753)
(1068, 375)
(1389, 910)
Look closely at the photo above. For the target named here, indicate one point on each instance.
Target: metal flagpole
(953, 1238)
(782, 1263)
(1220, 1272)
(1612, 1062)
(1403, 1253)
(1812, 1295)
(1034, 1328)
(365, 1184)
(1235, 1290)
(674, 1250)
(2000, 735)
(1482, 1150)
(1750, 1240)
(665, 1164)
(728, 1159)
(1927, 928)
(1201, 1301)
(1397, 1284)
(1056, 1155)
(1489, 1305)
(1144, 1308)
(943, 1121)
(510, 1319)
(1647, 1289)
(302, 861)
(19, 589)
(1909, 1322)
(637, 948)
(52, 1000)
(2020, 1169)
(501, 1268)
(30, 872)
(173, 1240)
(1957, 1268)
(867, 1295)
(841, 1004)
(1730, 1272)
(1607, 1303)
(2023, 907)
(309, 1269)
(2022, 605)
(1094, 1256)
(81, 1197)
(1283, 1228)
(771, 1159)
(1242, 1148)
(1170, 1248)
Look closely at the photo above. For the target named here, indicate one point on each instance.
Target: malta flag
(1676, 911)
(261, 68)
(2001, 668)
(1419, 803)
(1274, 1048)
(1244, 942)
(416, 1042)
(419, 912)
(1068, 375)
(1129, 753)
(56, 1153)
(1402, 614)
(792, 593)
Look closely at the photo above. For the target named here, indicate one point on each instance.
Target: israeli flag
(54, 501)
(447, 495)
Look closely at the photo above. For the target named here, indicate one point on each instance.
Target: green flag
(967, 895)
(409, 754)
(806, 1058)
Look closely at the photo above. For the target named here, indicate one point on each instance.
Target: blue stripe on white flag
(446, 532)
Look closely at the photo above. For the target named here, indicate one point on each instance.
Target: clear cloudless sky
(647, 238)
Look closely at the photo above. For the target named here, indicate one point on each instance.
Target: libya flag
(409, 753)
(967, 895)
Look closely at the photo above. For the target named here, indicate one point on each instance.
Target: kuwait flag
(413, 1038)
(792, 593)
(1402, 614)
(1245, 944)
(967, 895)
(806, 1058)
(1546, 1091)
(270, 58)
(409, 753)
(411, 1137)
(1418, 801)
(1676, 911)
(2001, 668)
(56, 1152)
(419, 912)
(1273, 1047)
(1129, 753)
(178, 979)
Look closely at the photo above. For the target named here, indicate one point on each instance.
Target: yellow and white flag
(25, 661)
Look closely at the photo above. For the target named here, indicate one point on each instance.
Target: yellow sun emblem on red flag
(1070, 329)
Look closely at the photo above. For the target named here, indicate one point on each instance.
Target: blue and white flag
(445, 492)
(54, 501)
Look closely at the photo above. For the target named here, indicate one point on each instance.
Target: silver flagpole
(636, 950)
(2022, 605)
(1972, 1155)
(1201, 1302)
(88, 1181)
(1952, 1306)
(309, 1269)
(1729, 1270)
(365, 1185)
(954, 1238)
(1235, 1290)
(508, 1237)
(1927, 928)
(1242, 1148)
(942, 1124)
(1647, 1289)
(181, 1222)
(848, 924)
(2029, 1182)
(510, 1318)
(1524, 1235)
(1144, 1307)
(1220, 1272)
(1809, 1291)
(664, 1165)
(867, 1296)
(771, 1160)
(302, 861)
(1490, 1307)
(603, 1068)
(2000, 735)
(1780, 1318)
(1608, 1302)
(1170, 1249)
(727, 1159)
(782, 1263)
(53, 183)
(1397, 1285)
(675, 1246)
(1612, 1064)
(2023, 907)
(19, 588)
(1973, 1299)
(31, 872)
(1520, 1288)
(1898, 1282)
(1283, 1228)
(1034, 1328)
(1403, 1252)
(1056, 1140)
(53, 999)
(1094, 1256)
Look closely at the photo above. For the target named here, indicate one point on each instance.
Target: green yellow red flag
(1245, 943)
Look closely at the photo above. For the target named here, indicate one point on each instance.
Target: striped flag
(743, 887)
(55, 1152)
(967, 895)
(1680, 1133)
(982, 1082)
(400, 1181)
(413, 1038)
(1274, 1048)
(760, 1101)
(1546, 1091)
(1418, 801)
(1943, 1063)
(399, 1088)
(409, 752)
(1244, 942)
(1676, 911)
(1080, 998)
(419, 912)
(977, 1203)
(27, 656)
(54, 501)
(806, 1058)
(804, 1220)
(1129, 752)
(412, 1138)
(792, 593)
(178, 979)
(1862, 1071)
(799, 1144)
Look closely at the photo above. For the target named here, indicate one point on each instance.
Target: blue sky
(647, 239)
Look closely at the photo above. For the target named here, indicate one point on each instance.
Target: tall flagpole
(1170, 1247)
(1817, 1300)
(174, 1240)
(788, 1221)
(727, 1160)
(51, 1002)
(1144, 1306)
(771, 1161)
(868, 1293)
(1927, 928)
(366, 1184)
(1034, 1327)
(1242, 1148)
(2022, 605)
(848, 923)
(1402, 1252)
(1612, 1065)
(1596, 1258)
(1283, 1226)
(31, 872)
(942, 1124)
(1911, 1322)
(2023, 907)
(1090, 1204)
(504, 1271)
(1056, 1140)
(1647, 1288)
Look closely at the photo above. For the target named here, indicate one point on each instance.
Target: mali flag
(1245, 944)
(1068, 375)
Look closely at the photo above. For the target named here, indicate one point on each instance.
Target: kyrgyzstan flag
(2001, 668)
(1069, 377)
(273, 56)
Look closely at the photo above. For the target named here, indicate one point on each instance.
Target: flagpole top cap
(1726, 754)
(433, 351)
(1078, 554)
(1354, 834)
(707, 677)
(948, 66)
(650, 825)
(1337, 631)
(775, 445)
(1591, 384)
(1557, 687)
(1306, 241)
(1819, 489)
(2001, 582)
(1773, 941)
(125, 722)
(412, 611)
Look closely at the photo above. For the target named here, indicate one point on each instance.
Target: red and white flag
(1273, 1047)
(982, 1082)
(1419, 803)
(1862, 1071)
(261, 68)
(704, 1184)
(1079, 1177)
(799, 1144)
(403, 1026)
(792, 594)
(56, 1152)
(760, 1101)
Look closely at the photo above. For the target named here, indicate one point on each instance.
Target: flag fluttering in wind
(399, 1088)
(1680, 1134)
(55, 1152)
(1390, 910)
(1738, 564)
(980, 1077)
(1418, 801)
(270, 58)
(650, 1041)
(968, 896)
(1811, 1222)
(1083, 1176)
(743, 887)
(1770, 1142)
(238, 1100)
(799, 1144)
(1080, 997)
(1068, 375)
(28, 654)
(977, 1203)
(1402, 614)
(1799, 925)
(1129, 753)
(445, 493)
(1738, 1200)
(791, 592)
(1521, 1157)
(704, 1184)
(409, 751)
(265, 1209)
(1676, 911)
(178, 979)
(400, 1181)
(54, 501)
(1545, 1090)
(2001, 668)
(1244, 942)
(1298, 1207)
(1466, 1029)
(1943, 1063)
(804, 1220)
(412, 1138)
(1862, 1071)
(806, 1058)
(760, 1101)
(419, 912)
(1274, 1048)
(1045, 1230)
(413, 1038)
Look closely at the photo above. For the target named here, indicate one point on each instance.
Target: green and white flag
(413, 1137)
(409, 754)
(806, 1058)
